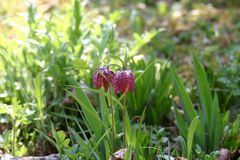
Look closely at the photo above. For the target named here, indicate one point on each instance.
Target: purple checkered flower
(103, 76)
(123, 82)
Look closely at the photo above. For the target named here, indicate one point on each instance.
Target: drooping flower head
(103, 76)
(123, 81)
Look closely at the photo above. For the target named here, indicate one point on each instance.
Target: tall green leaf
(89, 112)
(185, 100)
(104, 114)
(215, 124)
(180, 123)
(128, 130)
(183, 145)
(190, 136)
(103, 107)
(204, 89)
(40, 103)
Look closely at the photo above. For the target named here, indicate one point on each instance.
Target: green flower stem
(112, 112)
(124, 121)
(13, 136)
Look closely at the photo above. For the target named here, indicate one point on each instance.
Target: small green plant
(154, 90)
(187, 148)
(227, 78)
(40, 103)
(209, 130)
(232, 136)
(58, 139)
(17, 115)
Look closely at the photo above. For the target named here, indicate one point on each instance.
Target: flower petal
(131, 83)
(123, 81)
(102, 77)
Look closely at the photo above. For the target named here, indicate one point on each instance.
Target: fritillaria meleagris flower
(123, 81)
(103, 76)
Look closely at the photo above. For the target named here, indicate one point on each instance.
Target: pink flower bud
(103, 76)
(123, 81)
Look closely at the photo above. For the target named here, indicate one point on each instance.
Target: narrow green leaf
(87, 148)
(142, 117)
(204, 90)
(105, 39)
(180, 123)
(107, 147)
(183, 145)
(128, 129)
(78, 139)
(215, 124)
(185, 100)
(40, 104)
(190, 137)
(144, 72)
(90, 113)
(104, 114)
(142, 40)
(47, 138)
(128, 153)
(96, 91)
(103, 107)
(200, 132)
(81, 129)
(100, 139)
